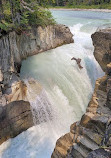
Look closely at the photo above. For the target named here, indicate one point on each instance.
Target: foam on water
(64, 98)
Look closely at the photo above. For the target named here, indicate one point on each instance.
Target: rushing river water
(66, 88)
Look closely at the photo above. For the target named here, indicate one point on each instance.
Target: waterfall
(65, 92)
(40, 105)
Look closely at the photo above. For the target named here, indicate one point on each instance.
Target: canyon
(15, 111)
(91, 136)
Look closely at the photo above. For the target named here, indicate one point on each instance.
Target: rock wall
(16, 46)
(16, 117)
(93, 131)
(102, 44)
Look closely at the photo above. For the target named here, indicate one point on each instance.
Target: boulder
(15, 118)
(102, 47)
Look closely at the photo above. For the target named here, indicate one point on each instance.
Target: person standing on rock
(78, 62)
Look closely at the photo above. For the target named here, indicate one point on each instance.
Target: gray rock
(15, 118)
(100, 153)
(15, 47)
(102, 47)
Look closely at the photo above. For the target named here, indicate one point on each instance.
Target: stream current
(66, 89)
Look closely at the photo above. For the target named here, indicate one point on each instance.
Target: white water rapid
(66, 90)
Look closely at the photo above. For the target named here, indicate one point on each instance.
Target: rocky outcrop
(102, 44)
(16, 46)
(100, 153)
(16, 117)
(87, 134)
(19, 90)
(93, 131)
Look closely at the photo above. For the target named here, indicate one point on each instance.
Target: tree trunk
(57, 2)
(12, 9)
(1, 11)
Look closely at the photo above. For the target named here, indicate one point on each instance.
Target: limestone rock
(102, 47)
(1, 76)
(108, 69)
(100, 153)
(93, 130)
(18, 92)
(15, 47)
(14, 119)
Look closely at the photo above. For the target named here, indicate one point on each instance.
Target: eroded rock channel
(93, 131)
(15, 111)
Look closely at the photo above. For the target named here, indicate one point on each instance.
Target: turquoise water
(93, 20)
(66, 89)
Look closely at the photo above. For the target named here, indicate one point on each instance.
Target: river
(66, 89)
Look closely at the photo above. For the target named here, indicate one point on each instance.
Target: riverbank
(79, 9)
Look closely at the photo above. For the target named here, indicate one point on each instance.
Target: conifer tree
(24, 13)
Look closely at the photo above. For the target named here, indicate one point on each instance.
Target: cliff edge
(102, 44)
(15, 111)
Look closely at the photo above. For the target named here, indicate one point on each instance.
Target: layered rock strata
(102, 44)
(16, 46)
(16, 117)
(93, 131)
